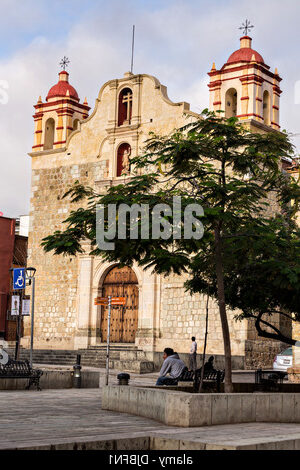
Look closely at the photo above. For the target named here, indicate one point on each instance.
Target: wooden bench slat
(212, 375)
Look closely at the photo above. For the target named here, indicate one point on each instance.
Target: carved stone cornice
(122, 130)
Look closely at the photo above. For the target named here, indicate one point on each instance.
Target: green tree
(262, 276)
(214, 162)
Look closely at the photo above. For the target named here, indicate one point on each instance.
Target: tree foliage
(248, 257)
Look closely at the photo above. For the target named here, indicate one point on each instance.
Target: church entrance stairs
(122, 357)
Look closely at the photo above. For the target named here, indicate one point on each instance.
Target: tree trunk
(222, 310)
(204, 346)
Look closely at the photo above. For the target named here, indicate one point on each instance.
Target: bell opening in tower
(231, 103)
(49, 134)
(266, 107)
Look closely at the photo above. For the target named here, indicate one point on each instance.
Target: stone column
(58, 136)
(258, 98)
(38, 129)
(84, 301)
(275, 102)
(245, 95)
(136, 101)
(148, 321)
(294, 372)
(113, 110)
(215, 100)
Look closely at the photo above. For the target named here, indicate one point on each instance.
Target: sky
(176, 40)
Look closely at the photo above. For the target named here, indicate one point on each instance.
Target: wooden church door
(121, 282)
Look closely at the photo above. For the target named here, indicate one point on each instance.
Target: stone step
(128, 358)
(116, 347)
(98, 354)
(136, 355)
(140, 367)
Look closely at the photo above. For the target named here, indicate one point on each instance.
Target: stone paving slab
(38, 418)
(250, 436)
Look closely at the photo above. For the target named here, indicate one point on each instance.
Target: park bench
(269, 379)
(21, 370)
(215, 376)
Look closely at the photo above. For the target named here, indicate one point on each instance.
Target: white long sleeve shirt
(193, 347)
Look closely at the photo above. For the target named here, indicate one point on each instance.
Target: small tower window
(123, 160)
(125, 107)
(49, 134)
(266, 107)
(231, 103)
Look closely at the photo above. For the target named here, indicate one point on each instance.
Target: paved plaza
(30, 419)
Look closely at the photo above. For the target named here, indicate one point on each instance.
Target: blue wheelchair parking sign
(19, 278)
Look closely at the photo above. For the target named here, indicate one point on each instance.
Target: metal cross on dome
(64, 63)
(247, 26)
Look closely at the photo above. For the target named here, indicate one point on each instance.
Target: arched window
(123, 160)
(49, 134)
(125, 107)
(231, 103)
(75, 124)
(266, 107)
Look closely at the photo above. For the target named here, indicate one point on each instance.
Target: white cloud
(176, 41)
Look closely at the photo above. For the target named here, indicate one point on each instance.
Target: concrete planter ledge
(190, 409)
(54, 379)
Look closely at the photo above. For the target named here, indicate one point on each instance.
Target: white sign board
(15, 304)
(26, 307)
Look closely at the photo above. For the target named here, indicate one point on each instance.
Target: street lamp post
(30, 273)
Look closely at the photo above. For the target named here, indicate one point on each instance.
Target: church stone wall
(56, 277)
(90, 157)
(183, 316)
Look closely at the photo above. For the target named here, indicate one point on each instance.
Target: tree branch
(265, 334)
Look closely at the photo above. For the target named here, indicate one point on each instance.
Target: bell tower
(58, 116)
(245, 87)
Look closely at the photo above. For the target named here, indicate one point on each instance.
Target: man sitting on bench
(173, 366)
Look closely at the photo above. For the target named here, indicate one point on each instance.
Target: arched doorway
(120, 282)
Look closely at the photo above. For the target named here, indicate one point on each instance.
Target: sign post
(109, 301)
(19, 283)
(108, 339)
(32, 321)
(30, 274)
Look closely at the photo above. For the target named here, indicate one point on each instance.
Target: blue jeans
(166, 381)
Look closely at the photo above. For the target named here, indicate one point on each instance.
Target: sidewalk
(73, 419)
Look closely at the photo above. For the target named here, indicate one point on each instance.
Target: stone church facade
(70, 145)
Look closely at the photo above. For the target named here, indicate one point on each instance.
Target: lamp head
(30, 273)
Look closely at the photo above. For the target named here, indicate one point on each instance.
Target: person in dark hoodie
(173, 366)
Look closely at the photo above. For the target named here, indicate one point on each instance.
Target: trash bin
(123, 378)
